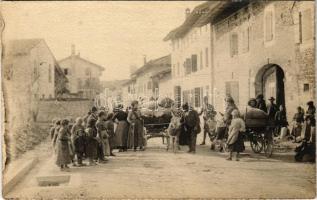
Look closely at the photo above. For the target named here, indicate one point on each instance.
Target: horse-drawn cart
(259, 131)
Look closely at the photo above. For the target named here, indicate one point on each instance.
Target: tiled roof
(162, 61)
(84, 60)
(20, 47)
(200, 16)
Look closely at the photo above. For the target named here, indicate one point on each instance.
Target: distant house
(31, 62)
(111, 93)
(162, 83)
(144, 86)
(83, 75)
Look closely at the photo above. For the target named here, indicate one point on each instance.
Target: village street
(155, 173)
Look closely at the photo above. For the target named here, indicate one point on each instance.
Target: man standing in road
(208, 112)
(271, 111)
(191, 123)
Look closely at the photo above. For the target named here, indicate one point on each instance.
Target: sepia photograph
(158, 99)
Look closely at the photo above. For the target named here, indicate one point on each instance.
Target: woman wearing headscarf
(235, 137)
(120, 138)
(63, 157)
(136, 138)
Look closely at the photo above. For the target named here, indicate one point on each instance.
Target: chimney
(73, 49)
(144, 59)
(187, 13)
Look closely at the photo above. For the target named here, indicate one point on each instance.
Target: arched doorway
(269, 81)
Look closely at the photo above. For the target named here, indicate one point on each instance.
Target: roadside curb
(18, 175)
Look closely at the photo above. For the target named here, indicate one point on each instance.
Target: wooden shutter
(201, 59)
(194, 63)
(207, 57)
(234, 44)
(307, 24)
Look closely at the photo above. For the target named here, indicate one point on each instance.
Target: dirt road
(156, 173)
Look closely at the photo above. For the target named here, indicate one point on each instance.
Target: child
(63, 150)
(102, 133)
(78, 141)
(110, 130)
(235, 137)
(220, 133)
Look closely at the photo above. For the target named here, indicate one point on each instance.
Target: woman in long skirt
(235, 138)
(120, 139)
(136, 137)
(63, 151)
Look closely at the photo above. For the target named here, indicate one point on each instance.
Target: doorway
(269, 81)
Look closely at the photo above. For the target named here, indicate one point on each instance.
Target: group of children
(89, 137)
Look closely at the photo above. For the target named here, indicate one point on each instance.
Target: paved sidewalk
(156, 173)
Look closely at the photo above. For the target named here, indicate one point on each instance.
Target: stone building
(83, 75)
(264, 48)
(144, 84)
(30, 73)
(191, 55)
(249, 48)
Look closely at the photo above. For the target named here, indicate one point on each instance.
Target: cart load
(255, 117)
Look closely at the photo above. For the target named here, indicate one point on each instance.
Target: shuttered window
(269, 26)
(234, 44)
(194, 63)
(245, 40)
(197, 97)
(177, 97)
(188, 66)
(307, 25)
(232, 89)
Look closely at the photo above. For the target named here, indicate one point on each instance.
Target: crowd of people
(94, 137)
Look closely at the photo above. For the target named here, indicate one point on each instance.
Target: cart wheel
(256, 144)
(268, 148)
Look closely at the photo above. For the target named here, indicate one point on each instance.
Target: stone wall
(49, 110)
(296, 59)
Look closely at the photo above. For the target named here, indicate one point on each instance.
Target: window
(306, 87)
(234, 44)
(232, 89)
(66, 71)
(188, 66)
(201, 59)
(268, 26)
(207, 92)
(177, 97)
(49, 73)
(194, 63)
(307, 25)
(186, 96)
(207, 57)
(88, 71)
(149, 85)
(245, 40)
(177, 69)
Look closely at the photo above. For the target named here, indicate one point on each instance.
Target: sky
(112, 34)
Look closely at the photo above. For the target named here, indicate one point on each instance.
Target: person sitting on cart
(261, 103)
(235, 139)
(209, 113)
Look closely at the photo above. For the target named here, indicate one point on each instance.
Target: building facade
(83, 75)
(191, 56)
(145, 88)
(265, 48)
(29, 75)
